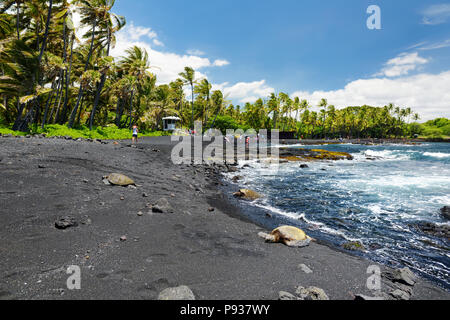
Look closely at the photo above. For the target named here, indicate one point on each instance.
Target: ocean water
(375, 202)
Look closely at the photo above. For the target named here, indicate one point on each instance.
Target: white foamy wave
(387, 154)
(321, 226)
(437, 155)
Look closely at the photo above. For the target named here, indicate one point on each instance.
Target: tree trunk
(58, 88)
(47, 25)
(58, 114)
(100, 86)
(80, 92)
(79, 112)
(131, 108)
(18, 19)
(118, 113)
(50, 97)
(67, 82)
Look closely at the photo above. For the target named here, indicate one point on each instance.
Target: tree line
(49, 76)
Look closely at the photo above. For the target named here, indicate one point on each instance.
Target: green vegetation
(104, 133)
(436, 129)
(52, 82)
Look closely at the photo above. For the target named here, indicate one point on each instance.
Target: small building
(170, 123)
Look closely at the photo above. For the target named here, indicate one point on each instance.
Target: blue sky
(312, 49)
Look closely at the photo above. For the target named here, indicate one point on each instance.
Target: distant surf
(378, 198)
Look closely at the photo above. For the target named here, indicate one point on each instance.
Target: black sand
(217, 254)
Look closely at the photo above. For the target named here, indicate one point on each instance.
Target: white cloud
(427, 94)
(402, 65)
(167, 65)
(158, 43)
(220, 63)
(195, 52)
(436, 14)
(434, 46)
(245, 91)
(136, 33)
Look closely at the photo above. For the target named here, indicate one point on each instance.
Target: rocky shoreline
(171, 234)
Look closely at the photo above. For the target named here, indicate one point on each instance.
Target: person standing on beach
(135, 134)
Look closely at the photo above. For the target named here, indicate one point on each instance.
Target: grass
(104, 133)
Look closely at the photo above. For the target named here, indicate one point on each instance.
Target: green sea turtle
(119, 179)
(247, 194)
(290, 236)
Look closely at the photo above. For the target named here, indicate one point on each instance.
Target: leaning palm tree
(217, 100)
(136, 64)
(89, 13)
(204, 90)
(188, 76)
(110, 24)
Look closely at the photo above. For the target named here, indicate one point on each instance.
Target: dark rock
(304, 166)
(162, 206)
(400, 295)
(311, 293)
(236, 178)
(40, 166)
(445, 212)
(65, 222)
(402, 276)
(354, 246)
(442, 231)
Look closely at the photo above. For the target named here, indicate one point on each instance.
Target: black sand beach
(217, 254)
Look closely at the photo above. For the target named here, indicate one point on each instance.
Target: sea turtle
(247, 194)
(119, 179)
(290, 236)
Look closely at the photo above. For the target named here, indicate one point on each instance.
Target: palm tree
(217, 100)
(188, 76)
(112, 23)
(204, 91)
(136, 64)
(89, 13)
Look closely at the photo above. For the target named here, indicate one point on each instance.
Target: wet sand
(217, 254)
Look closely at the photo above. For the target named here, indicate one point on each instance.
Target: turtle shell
(249, 194)
(290, 233)
(119, 179)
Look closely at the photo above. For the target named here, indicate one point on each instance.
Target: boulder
(445, 212)
(236, 178)
(65, 222)
(442, 231)
(178, 293)
(304, 166)
(400, 295)
(403, 276)
(311, 293)
(354, 246)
